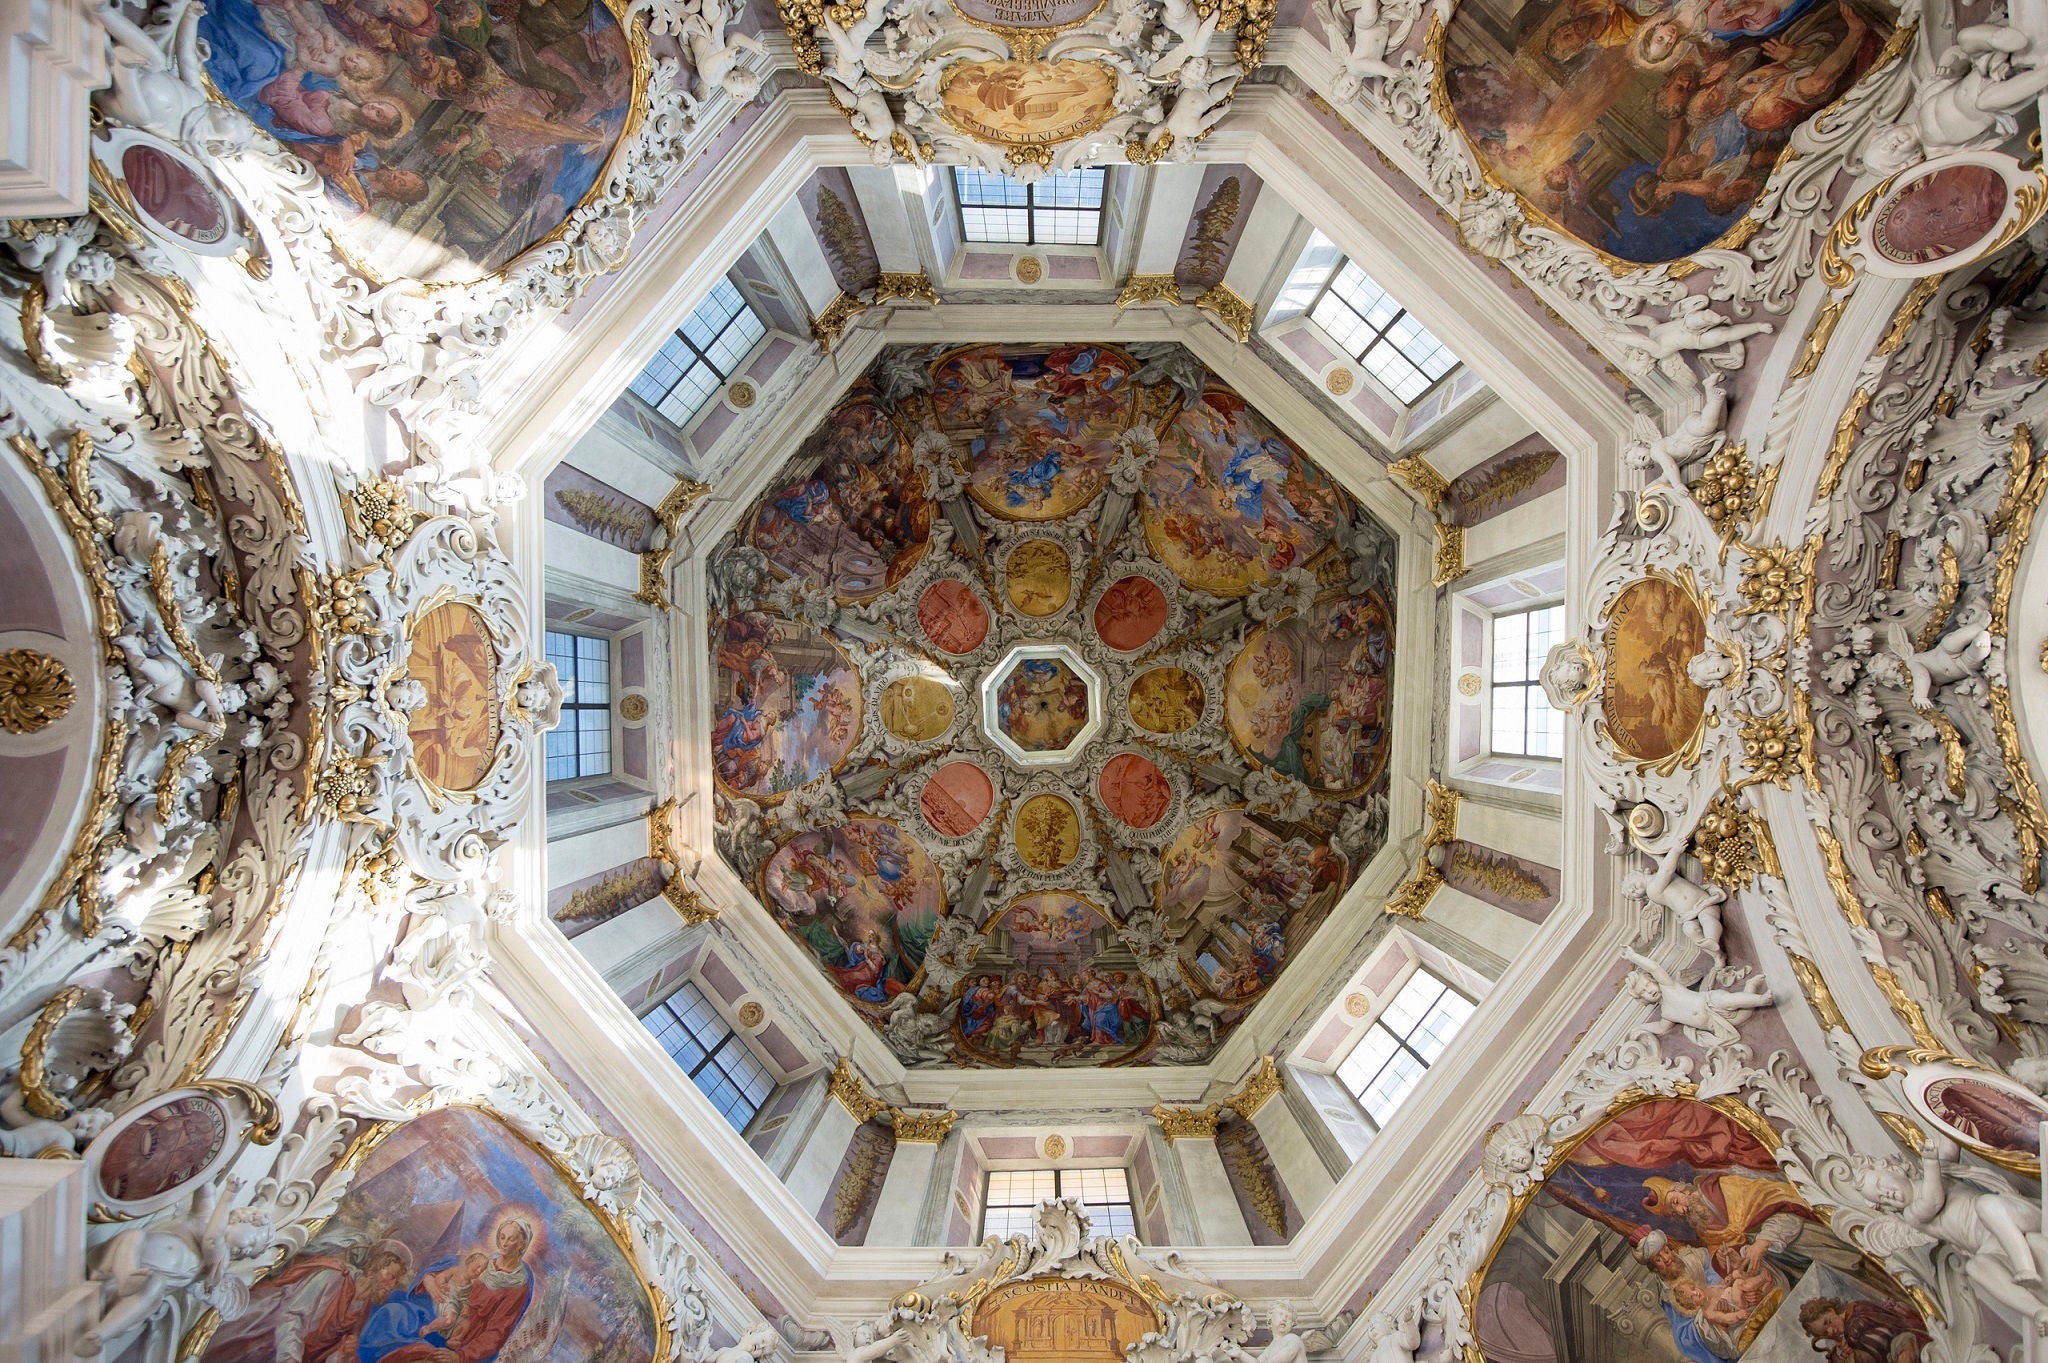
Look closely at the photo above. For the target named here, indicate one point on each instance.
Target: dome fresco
(1052, 702)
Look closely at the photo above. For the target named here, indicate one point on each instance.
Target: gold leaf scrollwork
(830, 325)
(690, 905)
(1440, 806)
(1187, 1123)
(1258, 1089)
(654, 562)
(35, 690)
(908, 288)
(846, 1086)
(922, 1127)
(1230, 309)
(1149, 288)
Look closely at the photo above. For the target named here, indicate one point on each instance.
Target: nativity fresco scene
(1135, 890)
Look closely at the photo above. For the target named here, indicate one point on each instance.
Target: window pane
(1374, 329)
(1510, 733)
(1367, 1058)
(694, 362)
(1394, 1083)
(1440, 1024)
(1510, 648)
(1546, 726)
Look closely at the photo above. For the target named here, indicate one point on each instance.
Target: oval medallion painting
(455, 732)
(1647, 130)
(456, 1239)
(1017, 103)
(173, 195)
(1653, 707)
(1674, 1217)
(450, 136)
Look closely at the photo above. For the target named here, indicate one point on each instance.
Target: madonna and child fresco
(931, 747)
(451, 134)
(456, 1243)
(1646, 128)
(1699, 1251)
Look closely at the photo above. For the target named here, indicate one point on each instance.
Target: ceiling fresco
(1052, 703)
(1647, 132)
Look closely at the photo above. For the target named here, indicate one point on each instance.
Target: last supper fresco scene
(1052, 702)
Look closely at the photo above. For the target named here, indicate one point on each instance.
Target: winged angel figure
(1994, 1231)
(1363, 35)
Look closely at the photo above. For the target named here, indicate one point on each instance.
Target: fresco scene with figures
(1721, 1257)
(1647, 131)
(450, 136)
(1023, 681)
(455, 1238)
(1031, 771)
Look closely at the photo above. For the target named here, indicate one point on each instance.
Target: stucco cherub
(1708, 1016)
(1993, 1230)
(1697, 907)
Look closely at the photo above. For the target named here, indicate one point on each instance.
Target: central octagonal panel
(1041, 704)
(1052, 702)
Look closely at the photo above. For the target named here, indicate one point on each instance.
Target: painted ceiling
(1052, 702)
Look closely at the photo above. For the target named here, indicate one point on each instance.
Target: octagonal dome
(1052, 705)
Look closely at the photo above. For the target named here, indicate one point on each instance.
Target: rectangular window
(1402, 1043)
(1524, 724)
(711, 1053)
(704, 352)
(582, 744)
(1060, 210)
(1008, 1202)
(1380, 334)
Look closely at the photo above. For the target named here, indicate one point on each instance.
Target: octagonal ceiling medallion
(1052, 709)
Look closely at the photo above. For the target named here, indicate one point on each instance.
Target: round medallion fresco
(1027, 103)
(1039, 714)
(957, 798)
(952, 616)
(1166, 700)
(917, 708)
(1038, 579)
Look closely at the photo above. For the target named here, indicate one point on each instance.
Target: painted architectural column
(810, 1177)
(1191, 1132)
(901, 1205)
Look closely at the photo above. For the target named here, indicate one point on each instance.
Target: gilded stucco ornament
(959, 1316)
(185, 528)
(35, 690)
(966, 83)
(439, 700)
